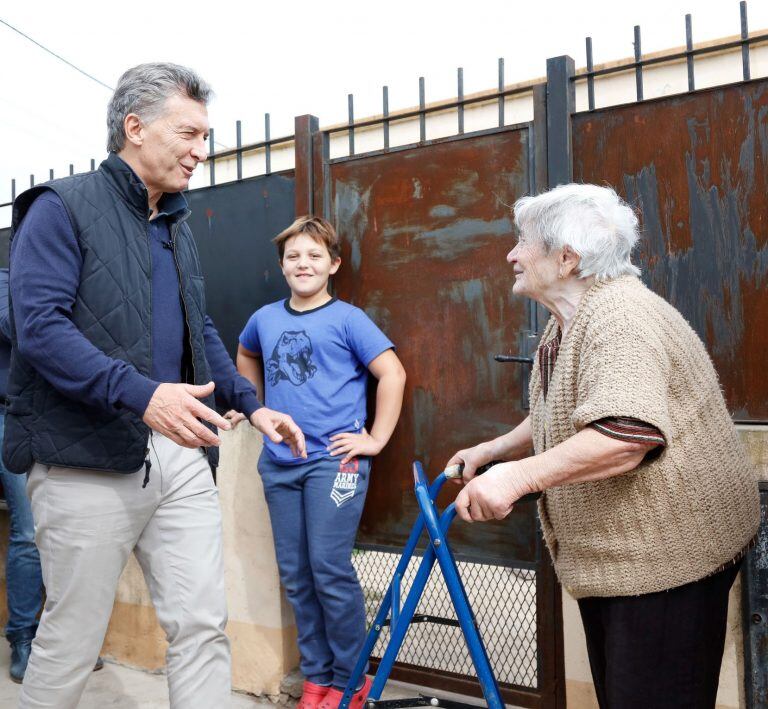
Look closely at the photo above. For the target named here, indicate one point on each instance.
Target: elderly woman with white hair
(648, 500)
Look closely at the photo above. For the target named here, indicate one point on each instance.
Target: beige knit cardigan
(675, 518)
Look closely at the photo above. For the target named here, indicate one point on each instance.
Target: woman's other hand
(472, 459)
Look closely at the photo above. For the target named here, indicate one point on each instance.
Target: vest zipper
(147, 463)
(174, 233)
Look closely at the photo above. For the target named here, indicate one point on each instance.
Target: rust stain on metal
(696, 166)
(425, 234)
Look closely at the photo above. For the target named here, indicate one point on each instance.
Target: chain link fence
(503, 599)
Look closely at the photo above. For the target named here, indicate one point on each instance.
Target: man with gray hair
(111, 397)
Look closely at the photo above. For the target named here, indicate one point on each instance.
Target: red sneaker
(334, 696)
(312, 695)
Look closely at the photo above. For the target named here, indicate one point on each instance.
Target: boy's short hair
(317, 228)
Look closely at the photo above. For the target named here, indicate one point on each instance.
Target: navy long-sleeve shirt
(45, 274)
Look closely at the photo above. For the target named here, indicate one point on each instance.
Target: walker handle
(456, 471)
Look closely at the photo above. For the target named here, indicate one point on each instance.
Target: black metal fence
(502, 597)
(461, 102)
(233, 225)
(754, 599)
(689, 54)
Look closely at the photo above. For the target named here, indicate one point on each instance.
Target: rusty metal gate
(700, 185)
(425, 231)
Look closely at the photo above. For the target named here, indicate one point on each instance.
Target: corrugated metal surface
(696, 166)
(426, 232)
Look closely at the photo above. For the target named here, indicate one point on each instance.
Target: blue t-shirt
(315, 369)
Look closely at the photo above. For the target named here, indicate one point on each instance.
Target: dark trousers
(659, 650)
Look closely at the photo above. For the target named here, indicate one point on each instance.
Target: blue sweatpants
(315, 509)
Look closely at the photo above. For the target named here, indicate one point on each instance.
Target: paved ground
(117, 687)
(114, 687)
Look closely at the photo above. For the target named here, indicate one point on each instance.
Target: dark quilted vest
(109, 212)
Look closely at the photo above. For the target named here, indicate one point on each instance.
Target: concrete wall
(261, 626)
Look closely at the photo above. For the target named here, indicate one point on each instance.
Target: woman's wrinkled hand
(492, 494)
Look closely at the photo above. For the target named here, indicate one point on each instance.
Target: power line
(58, 56)
(68, 63)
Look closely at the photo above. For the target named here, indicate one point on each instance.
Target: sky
(292, 58)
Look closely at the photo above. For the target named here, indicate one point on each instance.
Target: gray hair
(143, 90)
(593, 221)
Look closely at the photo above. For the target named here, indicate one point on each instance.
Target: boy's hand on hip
(174, 410)
(354, 444)
(278, 428)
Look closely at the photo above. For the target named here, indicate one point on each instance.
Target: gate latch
(527, 340)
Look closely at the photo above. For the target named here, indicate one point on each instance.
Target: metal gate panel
(696, 166)
(425, 231)
(425, 234)
(233, 224)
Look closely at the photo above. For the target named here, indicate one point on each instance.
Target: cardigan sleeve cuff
(629, 429)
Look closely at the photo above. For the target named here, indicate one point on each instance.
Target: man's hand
(278, 428)
(472, 458)
(234, 417)
(174, 410)
(492, 495)
(354, 444)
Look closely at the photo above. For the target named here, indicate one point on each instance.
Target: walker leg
(437, 533)
(398, 630)
(386, 605)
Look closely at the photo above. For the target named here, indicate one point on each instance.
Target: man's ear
(134, 129)
(335, 265)
(569, 262)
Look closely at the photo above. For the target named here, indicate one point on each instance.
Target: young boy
(312, 353)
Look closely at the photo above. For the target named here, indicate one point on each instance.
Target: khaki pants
(86, 525)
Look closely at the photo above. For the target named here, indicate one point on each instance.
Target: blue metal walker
(399, 619)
